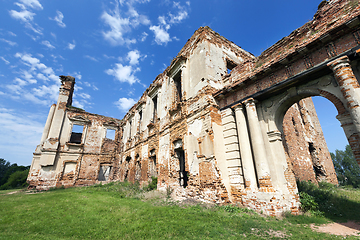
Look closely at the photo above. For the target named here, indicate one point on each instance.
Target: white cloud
(84, 95)
(71, 46)
(6, 61)
(118, 27)
(108, 57)
(35, 4)
(81, 100)
(77, 104)
(91, 58)
(27, 58)
(165, 22)
(143, 36)
(12, 34)
(121, 23)
(124, 104)
(11, 43)
(59, 19)
(20, 133)
(47, 44)
(20, 82)
(50, 92)
(87, 84)
(133, 57)
(41, 76)
(31, 71)
(77, 75)
(123, 73)
(162, 20)
(161, 36)
(137, 18)
(181, 14)
(26, 16)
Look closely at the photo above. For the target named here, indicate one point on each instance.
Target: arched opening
(127, 163)
(137, 168)
(152, 164)
(180, 155)
(304, 139)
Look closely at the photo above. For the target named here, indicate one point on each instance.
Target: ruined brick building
(219, 124)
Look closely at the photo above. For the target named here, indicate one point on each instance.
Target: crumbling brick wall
(305, 144)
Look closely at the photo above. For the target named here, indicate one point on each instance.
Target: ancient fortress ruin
(219, 124)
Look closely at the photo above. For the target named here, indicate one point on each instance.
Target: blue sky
(115, 49)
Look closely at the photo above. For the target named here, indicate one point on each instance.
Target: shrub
(308, 202)
(16, 180)
(152, 185)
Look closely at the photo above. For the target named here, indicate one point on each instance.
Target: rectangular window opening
(183, 174)
(153, 169)
(230, 65)
(177, 81)
(76, 133)
(140, 115)
(110, 134)
(104, 173)
(130, 123)
(140, 119)
(155, 108)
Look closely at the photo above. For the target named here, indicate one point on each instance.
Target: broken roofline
(201, 34)
(322, 28)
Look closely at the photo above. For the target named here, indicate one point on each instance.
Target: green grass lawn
(110, 212)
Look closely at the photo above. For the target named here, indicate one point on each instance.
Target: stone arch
(312, 160)
(282, 106)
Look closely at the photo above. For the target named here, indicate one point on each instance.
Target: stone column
(232, 154)
(48, 123)
(349, 87)
(245, 147)
(258, 146)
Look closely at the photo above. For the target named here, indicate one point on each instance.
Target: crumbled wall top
(326, 21)
(207, 34)
(328, 16)
(200, 35)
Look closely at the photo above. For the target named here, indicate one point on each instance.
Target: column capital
(274, 136)
(249, 101)
(339, 62)
(238, 106)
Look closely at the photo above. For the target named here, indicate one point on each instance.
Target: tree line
(346, 167)
(12, 176)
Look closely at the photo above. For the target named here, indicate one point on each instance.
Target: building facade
(219, 124)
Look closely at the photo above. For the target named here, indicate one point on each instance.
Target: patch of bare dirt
(343, 229)
(9, 193)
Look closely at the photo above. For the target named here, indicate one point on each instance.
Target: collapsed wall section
(305, 144)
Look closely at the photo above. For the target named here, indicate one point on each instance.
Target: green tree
(16, 180)
(13, 168)
(346, 167)
(4, 166)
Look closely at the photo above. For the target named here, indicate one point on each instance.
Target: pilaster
(259, 152)
(232, 154)
(245, 147)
